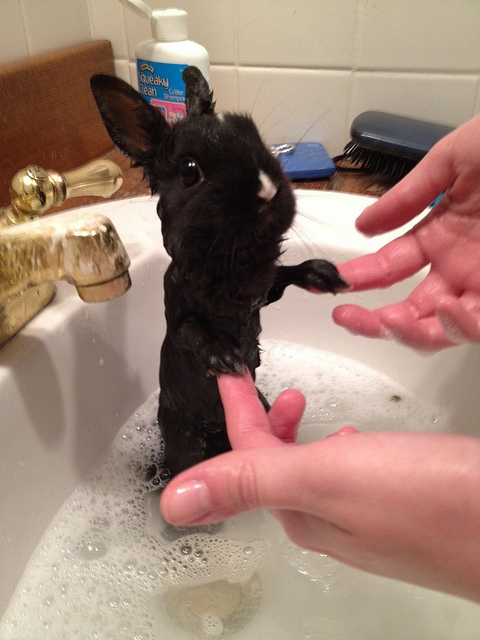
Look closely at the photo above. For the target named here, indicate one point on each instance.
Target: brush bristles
(373, 161)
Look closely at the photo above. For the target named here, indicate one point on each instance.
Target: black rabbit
(224, 205)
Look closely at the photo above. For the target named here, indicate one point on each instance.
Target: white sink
(73, 376)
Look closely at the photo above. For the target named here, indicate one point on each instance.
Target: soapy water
(110, 568)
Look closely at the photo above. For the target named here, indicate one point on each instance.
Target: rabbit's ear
(198, 96)
(135, 126)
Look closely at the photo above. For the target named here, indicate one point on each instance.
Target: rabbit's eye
(190, 172)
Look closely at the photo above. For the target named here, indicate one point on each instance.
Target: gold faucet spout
(84, 250)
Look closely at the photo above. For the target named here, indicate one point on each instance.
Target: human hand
(444, 309)
(402, 505)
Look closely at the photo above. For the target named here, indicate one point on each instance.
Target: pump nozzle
(168, 25)
(138, 6)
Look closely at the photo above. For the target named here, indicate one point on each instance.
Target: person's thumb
(237, 481)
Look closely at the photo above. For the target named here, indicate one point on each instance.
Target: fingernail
(452, 331)
(344, 431)
(189, 503)
(386, 334)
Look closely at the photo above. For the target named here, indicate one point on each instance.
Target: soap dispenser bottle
(161, 60)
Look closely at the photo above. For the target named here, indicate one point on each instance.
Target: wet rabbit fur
(224, 206)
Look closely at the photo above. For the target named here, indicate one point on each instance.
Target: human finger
(360, 321)
(235, 482)
(285, 415)
(395, 322)
(426, 334)
(397, 260)
(343, 431)
(460, 318)
(409, 197)
(247, 421)
(413, 322)
(283, 478)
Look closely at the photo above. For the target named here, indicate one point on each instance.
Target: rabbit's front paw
(215, 351)
(224, 360)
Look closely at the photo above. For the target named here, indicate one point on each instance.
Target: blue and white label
(162, 86)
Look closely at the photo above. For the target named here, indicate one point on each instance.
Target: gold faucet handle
(97, 178)
(33, 190)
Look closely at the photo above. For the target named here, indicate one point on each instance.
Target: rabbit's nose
(266, 188)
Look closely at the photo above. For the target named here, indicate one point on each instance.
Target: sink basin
(74, 375)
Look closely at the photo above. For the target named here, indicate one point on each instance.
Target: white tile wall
(304, 68)
(55, 23)
(427, 35)
(292, 105)
(306, 33)
(443, 97)
(13, 36)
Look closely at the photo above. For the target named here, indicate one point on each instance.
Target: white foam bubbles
(98, 567)
(342, 392)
